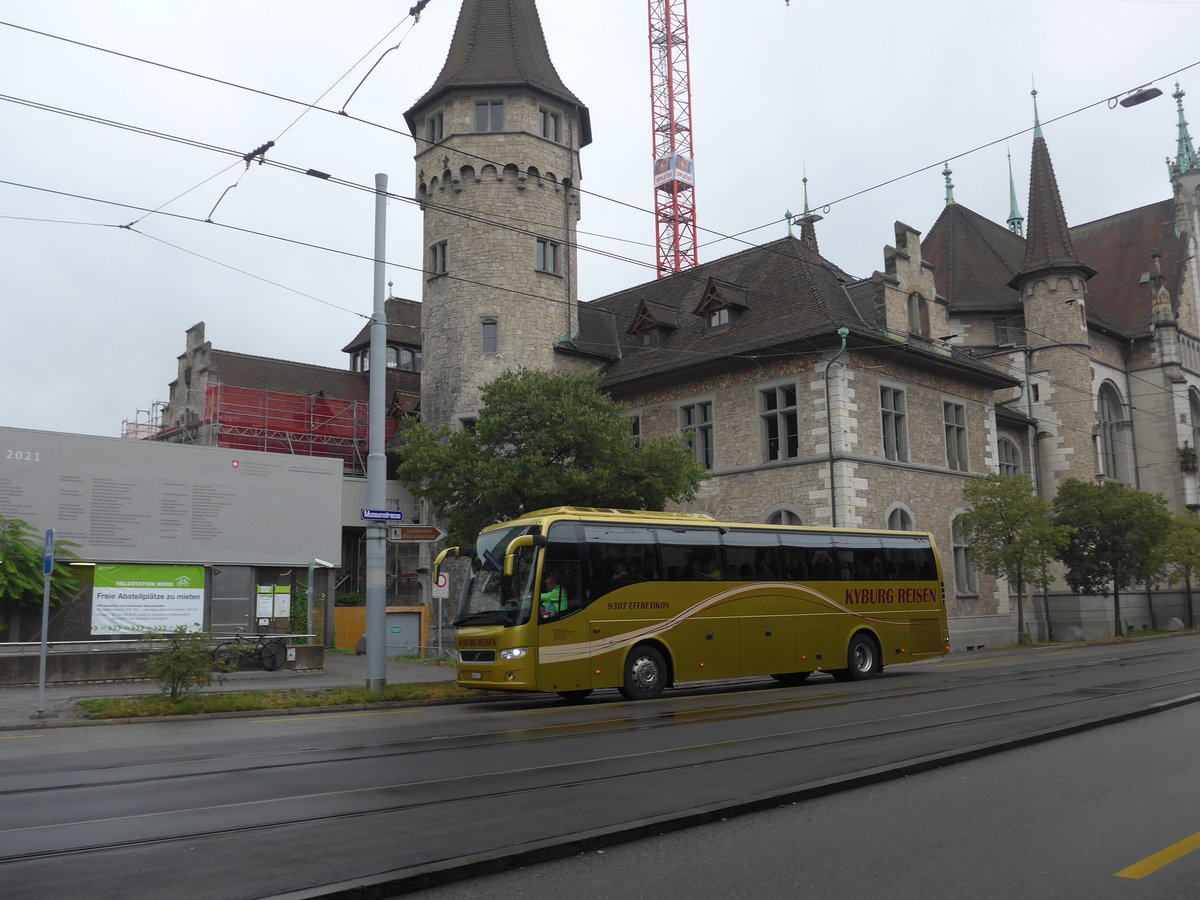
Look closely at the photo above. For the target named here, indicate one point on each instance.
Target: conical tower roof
(1047, 238)
(500, 43)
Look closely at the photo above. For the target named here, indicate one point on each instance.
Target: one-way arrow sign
(399, 534)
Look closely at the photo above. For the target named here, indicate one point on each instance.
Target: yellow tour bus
(570, 599)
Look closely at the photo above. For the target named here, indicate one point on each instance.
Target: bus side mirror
(525, 540)
(449, 551)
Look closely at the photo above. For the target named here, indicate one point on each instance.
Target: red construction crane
(671, 125)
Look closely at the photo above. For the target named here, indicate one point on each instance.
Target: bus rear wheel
(862, 659)
(645, 674)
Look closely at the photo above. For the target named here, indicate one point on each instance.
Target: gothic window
(546, 256)
(899, 519)
(551, 125)
(490, 335)
(489, 115)
(954, 417)
(966, 579)
(437, 258)
(1111, 414)
(895, 423)
(696, 424)
(780, 422)
(1010, 457)
(918, 315)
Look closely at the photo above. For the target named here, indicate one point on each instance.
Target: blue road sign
(384, 515)
(48, 557)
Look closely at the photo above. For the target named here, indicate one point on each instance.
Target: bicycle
(268, 651)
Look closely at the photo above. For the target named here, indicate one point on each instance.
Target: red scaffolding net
(277, 422)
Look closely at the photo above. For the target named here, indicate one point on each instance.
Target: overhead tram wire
(755, 358)
(719, 236)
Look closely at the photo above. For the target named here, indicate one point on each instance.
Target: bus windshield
(488, 597)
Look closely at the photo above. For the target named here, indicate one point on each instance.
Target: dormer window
(717, 307)
(648, 328)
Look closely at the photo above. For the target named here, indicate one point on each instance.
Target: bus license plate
(477, 675)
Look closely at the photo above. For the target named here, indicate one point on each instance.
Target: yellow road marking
(20, 737)
(274, 719)
(1156, 861)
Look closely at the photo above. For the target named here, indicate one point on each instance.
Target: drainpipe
(843, 333)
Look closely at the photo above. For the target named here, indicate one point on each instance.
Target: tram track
(530, 781)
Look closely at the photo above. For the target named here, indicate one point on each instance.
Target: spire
(808, 221)
(1186, 159)
(946, 173)
(1037, 124)
(500, 43)
(1048, 241)
(1016, 222)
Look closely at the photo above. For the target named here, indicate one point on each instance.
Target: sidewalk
(18, 703)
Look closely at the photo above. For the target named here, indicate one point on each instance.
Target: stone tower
(497, 174)
(1052, 283)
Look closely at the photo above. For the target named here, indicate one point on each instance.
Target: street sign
(441, 587)
(383, 515)
(48, 555)
(398, 534)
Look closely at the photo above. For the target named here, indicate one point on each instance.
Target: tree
(1012, 534)
(1118, 538)
(1182, 555)
(541, 440)
(21, 578)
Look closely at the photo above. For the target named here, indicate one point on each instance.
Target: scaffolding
(242, 418)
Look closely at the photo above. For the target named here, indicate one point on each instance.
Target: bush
(186, 664)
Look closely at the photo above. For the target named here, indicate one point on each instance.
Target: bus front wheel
(862, 658)
(645, 674)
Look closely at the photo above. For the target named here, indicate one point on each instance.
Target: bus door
(560, 600)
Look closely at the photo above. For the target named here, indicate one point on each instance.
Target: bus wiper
(487, 617)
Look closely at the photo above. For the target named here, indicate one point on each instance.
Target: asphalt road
(1092, 815)
(394, 799)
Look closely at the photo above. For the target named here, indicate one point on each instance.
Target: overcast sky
(93, 315)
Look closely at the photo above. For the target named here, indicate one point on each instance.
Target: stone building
(813, 396)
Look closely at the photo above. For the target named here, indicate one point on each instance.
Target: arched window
(1112, 416)
(1010, 457)
(784, 517)
(393, 357)
(966, 579)
(899, 519)
(409, 361)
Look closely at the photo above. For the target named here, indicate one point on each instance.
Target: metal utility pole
(377, 461)
(671, 131)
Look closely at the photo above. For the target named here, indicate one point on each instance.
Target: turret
(497, 174)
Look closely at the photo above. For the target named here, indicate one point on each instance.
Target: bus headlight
(514, 653)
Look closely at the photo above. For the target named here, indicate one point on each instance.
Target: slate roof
(1047, 238)
(974, 259)
(500, 43)
(404, 325)
(1120, 246)
(284, 376)
(791, 299)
